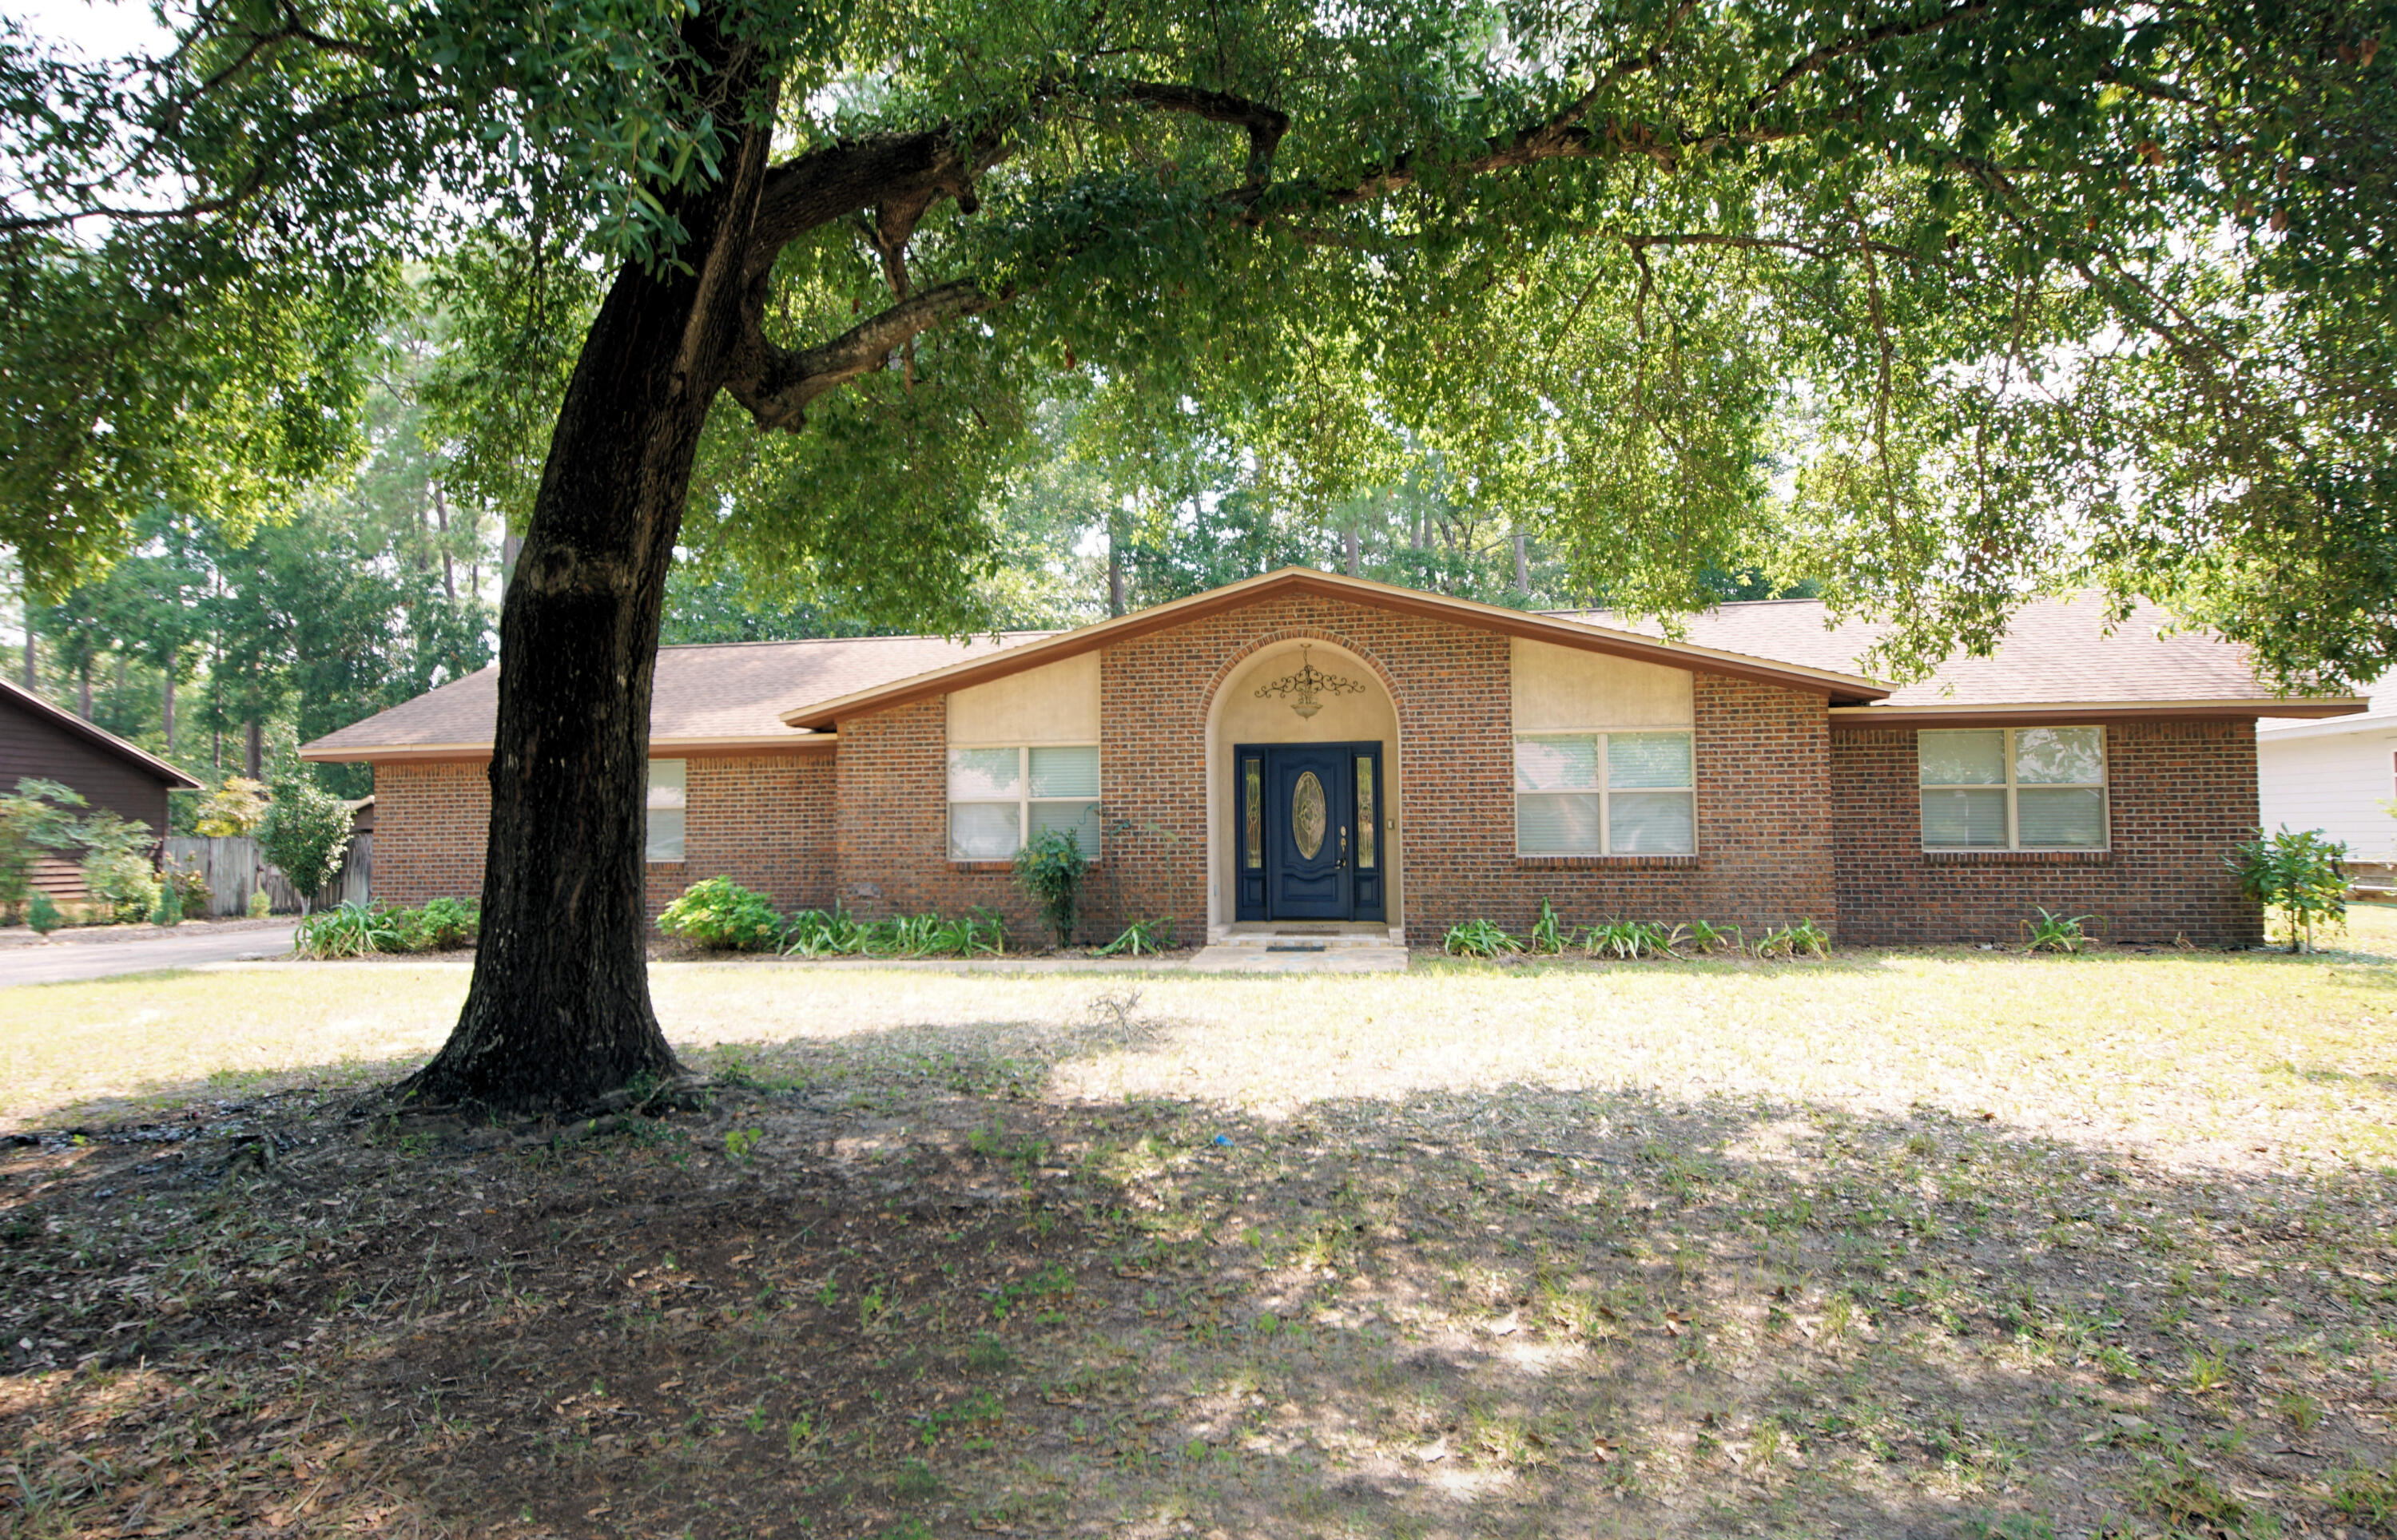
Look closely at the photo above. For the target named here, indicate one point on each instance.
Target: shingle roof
(726, 694)
(2055, 651)
(712, 693)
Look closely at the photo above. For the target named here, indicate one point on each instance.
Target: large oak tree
(2023, 292)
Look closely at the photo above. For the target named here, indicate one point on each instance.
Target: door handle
(1344, 845)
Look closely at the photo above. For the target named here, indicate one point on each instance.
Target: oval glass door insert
(1308, 805)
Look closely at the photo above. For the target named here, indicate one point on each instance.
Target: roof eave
(66, 720)
(324, 753)
(1523, 623)
(2076, 712)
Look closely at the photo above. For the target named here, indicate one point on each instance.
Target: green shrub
(1803, 940)
(721, 915)
(43, 915)
(117, 870)
(1705, 936)
(1547, 933)
(1629, 938)
(2304, 876)
(1479, 938)
(192, 892)
(820, 933)
(1150, 936)
(33, 818)
(305, 836)
(350, 930)
(1050, 868)
(443, 924)
(168, 910)
(260, 905)
(2057, 932)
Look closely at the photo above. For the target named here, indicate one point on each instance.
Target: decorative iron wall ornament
(1301, 688)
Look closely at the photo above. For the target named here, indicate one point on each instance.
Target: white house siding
(2337, 782)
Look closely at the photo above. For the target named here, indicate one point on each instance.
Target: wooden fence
(235, 870)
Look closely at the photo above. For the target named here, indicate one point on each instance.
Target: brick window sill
(994, 866)
(1606, 863)
(2018, 857)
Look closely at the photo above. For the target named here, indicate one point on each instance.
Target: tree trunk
(83, 701)
(253, 749)
(32, 681)
(558, 1012)
(1522, 563)
(166, 708)
(1115, 563)
(1349, 538)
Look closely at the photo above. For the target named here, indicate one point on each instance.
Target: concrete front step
(1383, 958)
(1308, 938)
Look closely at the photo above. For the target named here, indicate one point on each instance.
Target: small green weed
(2057, 932)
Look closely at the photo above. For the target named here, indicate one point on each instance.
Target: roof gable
(1838, 684)
(74, 726)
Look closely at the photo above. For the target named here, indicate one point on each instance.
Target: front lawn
(1941, 1244)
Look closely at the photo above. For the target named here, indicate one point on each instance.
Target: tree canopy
(1968, 299)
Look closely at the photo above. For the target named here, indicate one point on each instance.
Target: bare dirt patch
(877, 1292)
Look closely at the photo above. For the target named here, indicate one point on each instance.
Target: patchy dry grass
(1950, 1244)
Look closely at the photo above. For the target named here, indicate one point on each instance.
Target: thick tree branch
(1265, 125)
(776, 384)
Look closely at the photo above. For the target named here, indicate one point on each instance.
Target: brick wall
(2182, 795)
(763, 820)
(890, 825)
(430, 826)
(1764, 817)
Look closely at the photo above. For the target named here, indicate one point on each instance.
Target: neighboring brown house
(38, 740)
(1303, 747)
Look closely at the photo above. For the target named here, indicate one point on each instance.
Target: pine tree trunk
(253, 749)
(1522, 563)
(1355, 558)
(1115, 564)
(558, 1014)
(166, 708)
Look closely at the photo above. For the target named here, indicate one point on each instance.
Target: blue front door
(1308, 831)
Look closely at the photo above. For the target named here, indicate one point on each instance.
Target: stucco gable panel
(1560, 689)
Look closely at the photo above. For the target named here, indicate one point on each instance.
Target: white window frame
(1023, 799)
(2104, 787)
(1605, 792)
(650, 808)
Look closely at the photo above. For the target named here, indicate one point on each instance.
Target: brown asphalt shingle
(2056, 650)
(704, 692)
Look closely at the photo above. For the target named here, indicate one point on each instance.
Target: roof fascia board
(435, 753)
(1251, 591)
(69, 723)
(2376, 722)
(2069, 712)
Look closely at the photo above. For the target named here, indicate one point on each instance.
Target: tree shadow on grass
(882, 1285)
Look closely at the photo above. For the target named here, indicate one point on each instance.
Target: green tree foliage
(35, 818)
(305, 836)
(2026, 294)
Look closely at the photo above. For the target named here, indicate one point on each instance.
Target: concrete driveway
(62, 960)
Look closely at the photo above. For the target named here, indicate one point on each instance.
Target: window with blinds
(2012, 787)
(1605, 794)
(1000, 799)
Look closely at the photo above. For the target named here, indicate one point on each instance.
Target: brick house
(1304, 747)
